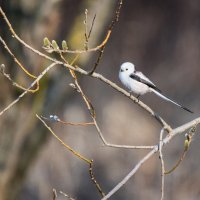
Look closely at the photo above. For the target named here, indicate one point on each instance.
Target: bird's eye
(126, 69)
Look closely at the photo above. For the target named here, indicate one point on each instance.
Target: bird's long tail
(168, 99)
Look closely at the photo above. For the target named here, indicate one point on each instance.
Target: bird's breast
(138, 88)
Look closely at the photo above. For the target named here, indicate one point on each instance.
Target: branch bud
(64, 45)
(55, 45)
(46, 42)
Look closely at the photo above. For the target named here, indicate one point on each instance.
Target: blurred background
(162, 38)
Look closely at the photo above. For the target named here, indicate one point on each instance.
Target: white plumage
(139, 84)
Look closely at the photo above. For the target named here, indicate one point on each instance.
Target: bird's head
(127, 67)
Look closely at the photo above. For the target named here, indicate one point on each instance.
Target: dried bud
(74, 87)
(54, 118)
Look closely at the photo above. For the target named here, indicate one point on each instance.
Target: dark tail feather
(186, 109)
(168, 99)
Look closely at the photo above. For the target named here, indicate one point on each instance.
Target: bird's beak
(121, 70)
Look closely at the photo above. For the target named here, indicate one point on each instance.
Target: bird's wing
(140, 77)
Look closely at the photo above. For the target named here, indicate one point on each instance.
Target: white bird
(139, 84)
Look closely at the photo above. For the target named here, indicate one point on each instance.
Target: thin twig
(92, 25)
(97, 61)
(95, 181)
(55, 118)
(85, 98)
(187, 143)
(117, 145)
(54, 194)
(66, 195)
(86, 31)
(101, 50)
(76, 123)
(2, 70)
(15, 59)
(90, 162)
(65, 145)
(162, 164)
(117, 13)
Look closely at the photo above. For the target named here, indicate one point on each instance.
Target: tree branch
(168, 138)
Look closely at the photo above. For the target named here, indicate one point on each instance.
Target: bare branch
(86, 31)
(2, 70)
(117, 145)
(95, 181)
(101, 50)
(167, 139)
(15, 59)
(92, 25)
(117, 13)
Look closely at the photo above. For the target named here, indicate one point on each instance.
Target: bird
(139, 84)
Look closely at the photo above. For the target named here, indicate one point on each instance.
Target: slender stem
(162, 164)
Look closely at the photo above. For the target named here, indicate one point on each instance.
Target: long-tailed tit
(139, 84)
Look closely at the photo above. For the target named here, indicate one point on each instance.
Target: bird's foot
(137, 97)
